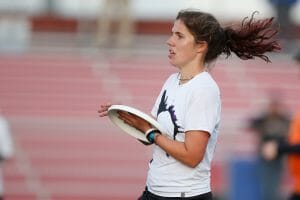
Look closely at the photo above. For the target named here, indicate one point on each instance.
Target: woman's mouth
(171, 53)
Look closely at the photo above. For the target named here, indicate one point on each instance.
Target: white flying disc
(113, 115)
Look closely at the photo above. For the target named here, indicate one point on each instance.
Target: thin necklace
(187, 79)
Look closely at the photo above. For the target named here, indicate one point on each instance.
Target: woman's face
(182, 47)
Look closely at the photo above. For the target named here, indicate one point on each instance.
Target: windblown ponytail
(251, 39)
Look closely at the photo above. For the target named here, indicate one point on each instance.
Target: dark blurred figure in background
(6, 149)
(293, 148)
(115, 15)
(271, 125)
(273, 150)
(294, 157)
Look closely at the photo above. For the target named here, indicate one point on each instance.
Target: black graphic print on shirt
(164, 107)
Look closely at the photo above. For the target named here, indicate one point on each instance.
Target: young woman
(189, 105)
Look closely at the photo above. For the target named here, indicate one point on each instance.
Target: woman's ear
(202, 47)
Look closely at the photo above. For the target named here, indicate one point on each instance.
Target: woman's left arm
(190, 152)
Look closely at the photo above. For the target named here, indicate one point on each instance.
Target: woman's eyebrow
(178, 33)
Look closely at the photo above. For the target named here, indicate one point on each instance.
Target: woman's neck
(188, 73)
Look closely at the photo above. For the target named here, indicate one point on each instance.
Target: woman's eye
(180, 36)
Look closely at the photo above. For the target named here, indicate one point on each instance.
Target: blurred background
(61, 59)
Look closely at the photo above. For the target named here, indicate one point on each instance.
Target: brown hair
(253, 38)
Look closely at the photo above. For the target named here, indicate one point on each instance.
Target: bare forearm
(178, 150)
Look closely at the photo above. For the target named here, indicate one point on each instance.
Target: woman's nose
(169, 41)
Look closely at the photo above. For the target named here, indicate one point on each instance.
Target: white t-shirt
(195, 105)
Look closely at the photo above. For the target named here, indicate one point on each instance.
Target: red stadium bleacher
(64, 151)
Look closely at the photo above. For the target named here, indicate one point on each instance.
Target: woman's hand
(134, 121)
(103, 109)
(130, 119)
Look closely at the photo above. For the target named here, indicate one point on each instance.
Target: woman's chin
(173, 63)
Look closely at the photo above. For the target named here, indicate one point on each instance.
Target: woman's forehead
(179, 26)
